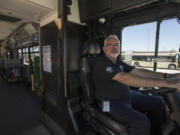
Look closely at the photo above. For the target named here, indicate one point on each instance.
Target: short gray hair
(110, 37)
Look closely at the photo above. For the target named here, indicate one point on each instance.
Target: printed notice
(47, 63)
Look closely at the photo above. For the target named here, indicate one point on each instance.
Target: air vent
(9, 18)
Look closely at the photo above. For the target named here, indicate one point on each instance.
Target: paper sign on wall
(47, 63)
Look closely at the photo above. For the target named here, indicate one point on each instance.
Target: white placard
(47, 63)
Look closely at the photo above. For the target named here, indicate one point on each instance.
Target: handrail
(3, 47)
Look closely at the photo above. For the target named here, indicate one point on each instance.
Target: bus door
(151, 62)
(145, 62)
(177, 60)
(148, 63)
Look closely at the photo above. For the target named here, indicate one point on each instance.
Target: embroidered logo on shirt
(109, 69)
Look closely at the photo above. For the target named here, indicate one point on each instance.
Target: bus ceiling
(14, 15)
(128, 12)
(25, 35)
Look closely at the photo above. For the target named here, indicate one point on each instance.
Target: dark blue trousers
(141, 115)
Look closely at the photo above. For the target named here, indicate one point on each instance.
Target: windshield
(139, 42)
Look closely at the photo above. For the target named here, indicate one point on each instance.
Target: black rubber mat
(19, 111)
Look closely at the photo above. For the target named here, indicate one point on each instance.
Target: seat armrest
(109, 122)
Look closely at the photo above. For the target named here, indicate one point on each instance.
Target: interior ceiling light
(102, 20)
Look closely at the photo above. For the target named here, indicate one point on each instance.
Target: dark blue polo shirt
(106, 88)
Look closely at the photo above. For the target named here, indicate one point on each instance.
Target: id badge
(106, 106)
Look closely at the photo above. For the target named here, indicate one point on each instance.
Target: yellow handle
(32, 79)
(3, 47)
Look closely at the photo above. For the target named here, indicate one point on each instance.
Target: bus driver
(112, 79)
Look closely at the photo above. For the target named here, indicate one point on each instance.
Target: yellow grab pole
(32, 79)
(3, 47)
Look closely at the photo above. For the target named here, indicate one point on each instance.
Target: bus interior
(63, 44)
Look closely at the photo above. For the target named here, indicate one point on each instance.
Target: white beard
(114, 55)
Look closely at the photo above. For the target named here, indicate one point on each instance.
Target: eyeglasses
(115, 45)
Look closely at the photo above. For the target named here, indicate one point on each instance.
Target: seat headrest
(91, 48)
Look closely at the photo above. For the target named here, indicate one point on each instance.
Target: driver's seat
(100, 122)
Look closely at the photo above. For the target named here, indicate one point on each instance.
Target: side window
(169, 43)
(34, 52)
(138, 45)
(26, 56)
(20, 53)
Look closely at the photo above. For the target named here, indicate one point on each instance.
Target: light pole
(148, 39)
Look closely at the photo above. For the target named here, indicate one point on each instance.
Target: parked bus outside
(166, 59)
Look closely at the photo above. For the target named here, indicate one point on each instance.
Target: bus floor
(19, 111)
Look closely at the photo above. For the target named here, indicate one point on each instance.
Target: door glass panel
(169, 41)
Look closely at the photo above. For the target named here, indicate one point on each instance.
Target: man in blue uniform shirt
(112, 79)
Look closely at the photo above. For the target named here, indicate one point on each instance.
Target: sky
(142, 37)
